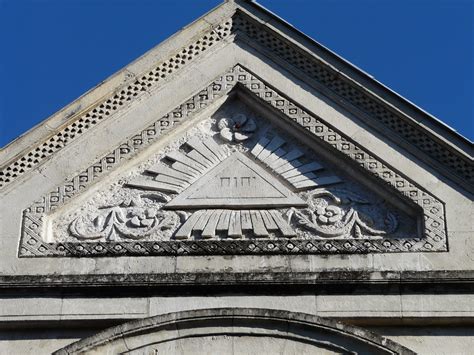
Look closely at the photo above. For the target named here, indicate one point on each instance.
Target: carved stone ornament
(236, 129)
(235, 183)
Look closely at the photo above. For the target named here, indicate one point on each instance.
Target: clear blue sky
(52, 51)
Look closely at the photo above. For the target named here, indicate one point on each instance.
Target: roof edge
(18, 156)
(115, 82)
(463, 143)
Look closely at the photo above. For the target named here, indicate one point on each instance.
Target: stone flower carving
(123, 221)
(142, 218)
(328, 214)
(333, 217)
(236, 129)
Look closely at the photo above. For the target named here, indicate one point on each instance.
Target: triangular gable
(246, 22)
(355, 233)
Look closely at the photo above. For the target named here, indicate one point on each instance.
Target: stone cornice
(139, 78)
(221, 281)
(390, 114)
(431, 148)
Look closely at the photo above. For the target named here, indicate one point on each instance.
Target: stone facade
(238, 179)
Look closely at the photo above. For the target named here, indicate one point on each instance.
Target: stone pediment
(239, 165)
(243, 22)
(243, 179)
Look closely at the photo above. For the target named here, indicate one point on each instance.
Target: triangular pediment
(234, 153)
(240, 177)
(237, 159)
(244, 22)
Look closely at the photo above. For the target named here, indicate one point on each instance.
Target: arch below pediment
(235, 331)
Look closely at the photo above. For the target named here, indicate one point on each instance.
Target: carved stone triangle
(194, 195)
(236, 182)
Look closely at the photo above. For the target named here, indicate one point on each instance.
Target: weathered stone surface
(236, 331)
(237, 182)
(376, 228)
(341, 215)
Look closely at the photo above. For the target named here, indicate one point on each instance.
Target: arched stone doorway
(235, 331)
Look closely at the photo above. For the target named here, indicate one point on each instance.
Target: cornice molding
(393, 123)
(264, 279)
(111, 104)
(340, 87)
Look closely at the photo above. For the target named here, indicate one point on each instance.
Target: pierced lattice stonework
(433, 236)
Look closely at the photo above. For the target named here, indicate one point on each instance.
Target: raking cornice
(246, 22)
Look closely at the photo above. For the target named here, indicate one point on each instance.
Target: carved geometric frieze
(236, 183)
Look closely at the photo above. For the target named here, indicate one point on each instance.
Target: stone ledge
(437, 279)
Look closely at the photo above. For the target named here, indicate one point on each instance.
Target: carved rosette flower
(142, 218)
(236, 129)
(121, 222)
(328, 214)
(337, 217)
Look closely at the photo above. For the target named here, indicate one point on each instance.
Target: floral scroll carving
(331, 216)
(191, 180)
(127, 220)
